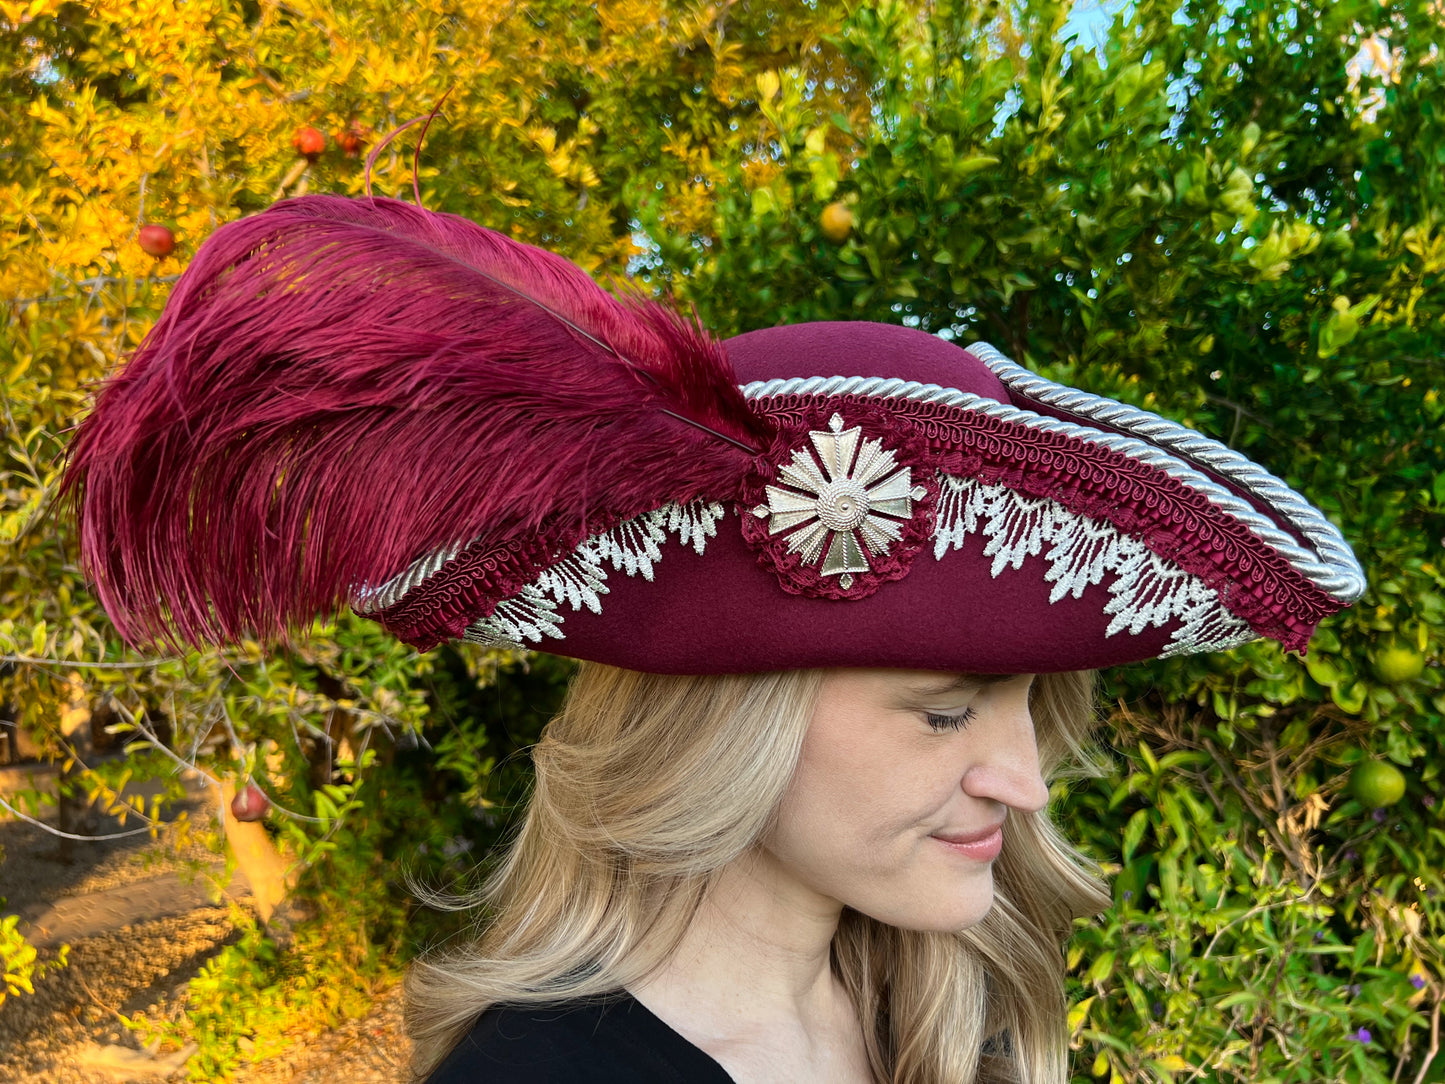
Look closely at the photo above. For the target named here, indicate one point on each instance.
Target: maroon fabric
(717, 614)
(841, 348)
(1176, 522)
(745, 606)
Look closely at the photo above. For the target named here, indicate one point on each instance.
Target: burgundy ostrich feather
(338, 386)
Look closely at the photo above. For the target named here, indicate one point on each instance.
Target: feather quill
(339, 386)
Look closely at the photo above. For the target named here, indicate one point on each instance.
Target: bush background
(1230, 213)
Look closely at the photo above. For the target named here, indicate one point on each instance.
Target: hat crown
(859, 349)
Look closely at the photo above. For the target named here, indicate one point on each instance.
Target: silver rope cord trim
(1189, 445)
(1333, 568)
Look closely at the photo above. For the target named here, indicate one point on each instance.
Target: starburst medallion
(848, 500)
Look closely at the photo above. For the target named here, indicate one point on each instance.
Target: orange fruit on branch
(836, 222)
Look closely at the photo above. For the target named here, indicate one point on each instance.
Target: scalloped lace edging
(1147, 591)
(633, 547)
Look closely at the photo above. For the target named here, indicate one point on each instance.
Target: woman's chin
(946, 908)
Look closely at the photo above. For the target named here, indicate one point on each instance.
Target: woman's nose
(1005, 767)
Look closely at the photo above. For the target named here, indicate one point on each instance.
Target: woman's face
(897, 806)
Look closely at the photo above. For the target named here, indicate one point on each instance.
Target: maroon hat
(492, 448)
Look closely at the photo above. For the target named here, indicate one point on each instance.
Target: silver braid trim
(392, 591)
(1331, 566)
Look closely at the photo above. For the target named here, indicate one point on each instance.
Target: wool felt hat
(464, 437)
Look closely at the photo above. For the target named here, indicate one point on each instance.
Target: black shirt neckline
(597, 1040)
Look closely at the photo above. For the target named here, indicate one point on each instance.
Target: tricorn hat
(464, 437)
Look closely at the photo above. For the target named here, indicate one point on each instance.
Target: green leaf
(1102, 967)
(1350, 699)
(1245, 998)
(1322, 668)
(1134, 832)
(973, 164)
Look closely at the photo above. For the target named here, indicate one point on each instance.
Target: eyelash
(950, 722)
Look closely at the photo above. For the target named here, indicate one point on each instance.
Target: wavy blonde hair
(647, 786)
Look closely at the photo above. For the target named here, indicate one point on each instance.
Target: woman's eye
(950, 722)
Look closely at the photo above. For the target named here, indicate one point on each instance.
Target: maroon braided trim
(1254, 581)
(465, 589)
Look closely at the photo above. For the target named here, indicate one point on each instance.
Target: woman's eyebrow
(955, 683)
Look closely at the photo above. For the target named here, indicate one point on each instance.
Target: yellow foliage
(183, 115)
(1272, 256)
(560, 121)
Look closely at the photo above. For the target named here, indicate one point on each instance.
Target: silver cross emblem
(841, 504)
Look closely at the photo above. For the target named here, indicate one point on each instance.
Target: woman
(790, 825)
(790, 925)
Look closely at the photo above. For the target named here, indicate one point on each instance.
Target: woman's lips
(983, 845)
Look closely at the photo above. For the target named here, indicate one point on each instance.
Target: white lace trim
(632, 547)
(1080, 551)
(1147, 590)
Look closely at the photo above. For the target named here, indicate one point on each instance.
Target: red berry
(249, 804)
(309, 143)
(350, 141)
(157, 240)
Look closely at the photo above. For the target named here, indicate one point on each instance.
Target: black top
(608, 1040)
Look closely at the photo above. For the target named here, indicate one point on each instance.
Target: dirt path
(48, 923)
(138, 932)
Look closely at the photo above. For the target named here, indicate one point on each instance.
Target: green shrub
(1204, 218)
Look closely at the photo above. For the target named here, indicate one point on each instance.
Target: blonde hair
(647, 786)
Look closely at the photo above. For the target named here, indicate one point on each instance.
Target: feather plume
(337, 387)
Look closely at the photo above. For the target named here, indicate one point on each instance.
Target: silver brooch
(847, 503)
